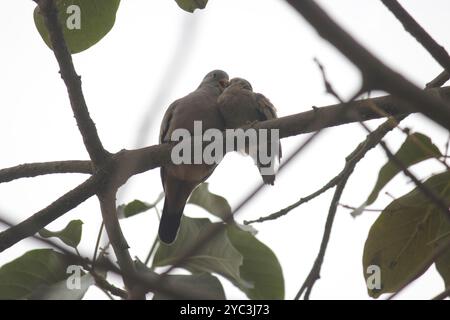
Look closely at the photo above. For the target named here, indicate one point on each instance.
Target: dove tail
(177, 193)
(170, 223)
(268, 179)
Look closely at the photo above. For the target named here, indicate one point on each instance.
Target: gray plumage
(240, 106)
(180, 180)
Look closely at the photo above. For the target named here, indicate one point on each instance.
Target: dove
(180, 180)
(240, 106)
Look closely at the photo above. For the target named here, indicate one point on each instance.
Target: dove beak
(224, 83)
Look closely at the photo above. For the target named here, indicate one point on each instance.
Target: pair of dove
(218, 103)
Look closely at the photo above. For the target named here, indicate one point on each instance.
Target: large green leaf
(416, 148)
(70, 235)
(402, 238)
(191, 5)
(96, 19)
(136, 206)
(30, 274)
(202, 285)
(260, 266)
(213, 203)
(59, 291)
(216, 256)
(443, 261)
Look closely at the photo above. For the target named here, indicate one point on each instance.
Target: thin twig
(97, 244)
(314, 274)
(444, 294)
(418, 32)
(152, 250)
(345, 206)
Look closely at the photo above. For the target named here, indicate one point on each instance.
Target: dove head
(216, 78)
(241, 84)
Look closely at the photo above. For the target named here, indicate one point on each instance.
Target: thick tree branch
(39, 220)
(375, 74)
(132, 162)
(73, 83)
(109, 213)
(415, 29)
(30, 170)
(304, 122)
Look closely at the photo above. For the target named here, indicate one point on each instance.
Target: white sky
(261, 40)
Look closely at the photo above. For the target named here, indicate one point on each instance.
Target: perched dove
(180, 180)
(240, 106)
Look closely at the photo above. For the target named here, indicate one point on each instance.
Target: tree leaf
(31, 272)
(191, 5)
(133, 208)
(217, 256)
(136, 206)
(401, 239)
(84, 22)
(213, 203)
(260, 266)
(443, 267)
(70, 235)
(200, 285)
(60, 291)
(443, 262)
(416, 148)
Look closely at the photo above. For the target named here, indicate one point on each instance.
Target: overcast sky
(157, 53)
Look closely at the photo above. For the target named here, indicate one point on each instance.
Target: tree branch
(351, 161)
(439, 81)
(107, 200)
(30, 170)
(444, 294)
(415, 29)
(73, 83)
(132, 162)
(314, 274)
(375, 74)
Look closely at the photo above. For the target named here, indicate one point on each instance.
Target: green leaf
(136, 206)
(443, 261)
(133, 208)
(211, 202)
(84, 22)
(70, 235)
(260, 266)
(202, 285)
(191, 5)
(402, 238)
(216, 256)
(416, 148)
(60, 291)
(31, 272)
